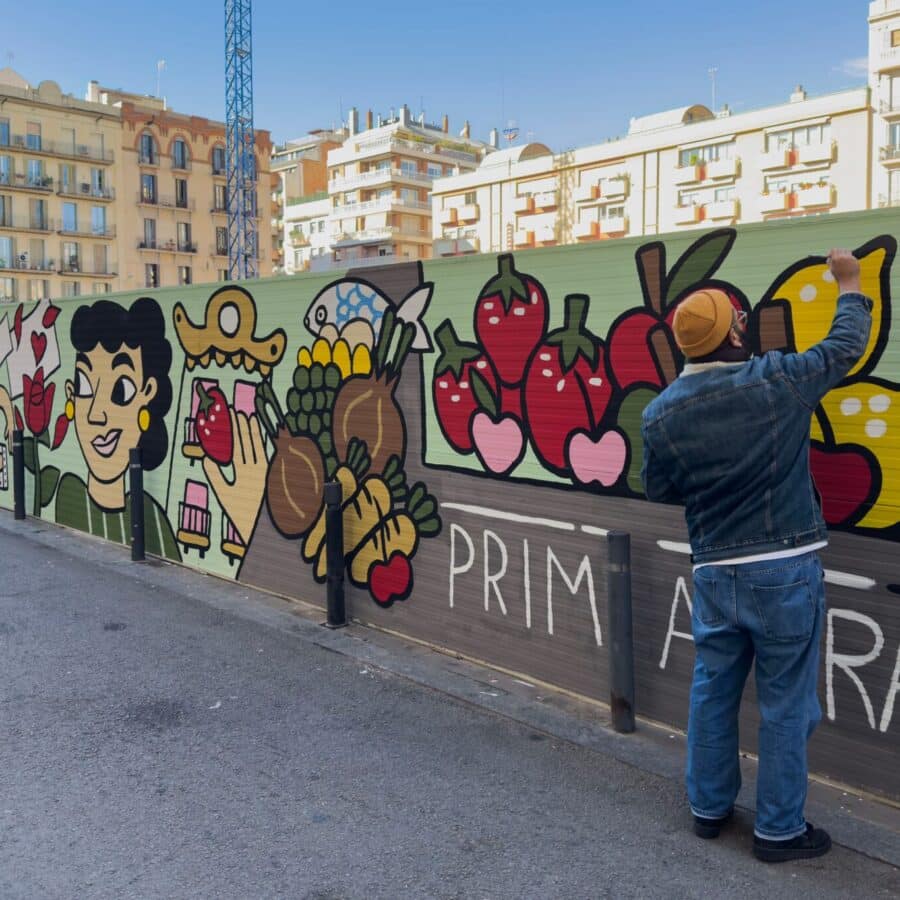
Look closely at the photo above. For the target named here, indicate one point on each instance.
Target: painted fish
(347, 301)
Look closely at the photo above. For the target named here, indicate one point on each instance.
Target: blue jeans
(771, 611)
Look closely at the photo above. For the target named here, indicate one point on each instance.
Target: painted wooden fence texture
(482, 417)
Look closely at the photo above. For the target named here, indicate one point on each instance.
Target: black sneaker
(710, 828)
(815, 842)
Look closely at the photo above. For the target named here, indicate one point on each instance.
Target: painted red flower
(38, 401)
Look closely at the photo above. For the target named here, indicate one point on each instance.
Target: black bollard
(334, 554)
(136, 488)
(18, 452)
(621, 642)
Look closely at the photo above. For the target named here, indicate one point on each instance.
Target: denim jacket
(731, 442)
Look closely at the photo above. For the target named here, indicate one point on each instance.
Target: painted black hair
(142, 327)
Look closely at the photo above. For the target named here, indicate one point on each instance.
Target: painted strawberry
(214, 425)
(454, 397)
(567, 388)
(510, 320)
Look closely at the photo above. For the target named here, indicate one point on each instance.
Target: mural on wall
(575, 399)
(338, 420)
(118, 398)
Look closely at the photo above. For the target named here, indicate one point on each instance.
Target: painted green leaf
(28, 451)
(49, 481)
(484, 395)
(699, 262)
(629, 421)
(45, 438)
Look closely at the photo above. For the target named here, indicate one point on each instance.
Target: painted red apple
(844, 478)
(391, 580)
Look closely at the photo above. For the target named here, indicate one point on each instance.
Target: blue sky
(569, 74)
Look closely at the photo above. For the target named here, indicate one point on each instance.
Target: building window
(184, 237)
(612, 212)
(222, 274)
(218, 161)
(66, 178)
(7, 289)
(33, 135)
(151, 275)
(39, 215)
(5, 211)
(70, 217)
(39, 289)
(180, 158)
(181, 193)
(71, 261)
(724, 193)
(104, 288)
(148, 189)
(98, 183)
(219, 198)
(35, 173)
(435, 171)
(711, 153)
(6, 169)
(791, 138)
(148, 149)
(4, 132)
(71, 289)
(689, 198)
(221, 241)
(98, 220)
(895, 37)
(471, 197)
(184, 274)
(149, 241)
(408, 167)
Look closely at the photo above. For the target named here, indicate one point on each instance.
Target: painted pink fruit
(601, 460)
(498, 442)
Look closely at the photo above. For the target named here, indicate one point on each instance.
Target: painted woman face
(109, 392)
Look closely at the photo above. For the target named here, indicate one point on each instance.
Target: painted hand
(242, 497)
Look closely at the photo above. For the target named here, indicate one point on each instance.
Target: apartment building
(691, 168)
(112, 192)
(299, 173)
(307, 234)
(172, 176)
(379, 185)
(58, 173)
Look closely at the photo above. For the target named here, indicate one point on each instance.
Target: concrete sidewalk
(171, 734)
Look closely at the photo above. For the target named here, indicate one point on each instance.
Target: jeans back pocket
(706, 601)
(787, 611)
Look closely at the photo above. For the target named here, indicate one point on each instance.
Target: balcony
(41, 147)
(890, 156)
(890, 109)
(689, 174)
(545, 200)
(776, 201)
(722, 209)
(614, 188)
(523, 238)
(375, 176)
(888, 202)
(17, 264)
(167, 246)
(888, 59)
(456, 246)
(584, 231)
(218, 210)
(687, 215)
(19, 181)
(366, 236)
(401, 145)
(523, 204)
(166, 201)
(75, 266)
(817, 195)
(815, 153)
(722, 168)
(87, 231)
(584, 193)
(181, 165)
(447, 216)
(85, 191)
(776, 159)
(299, 239)
(613, 225)
(148, 159)
(545, 234)
(222, 250)
(469, 212)
(24, 223)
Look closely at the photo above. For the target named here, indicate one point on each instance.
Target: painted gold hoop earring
(70, 410)
(144, 418)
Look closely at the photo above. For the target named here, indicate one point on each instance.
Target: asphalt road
(154, 745)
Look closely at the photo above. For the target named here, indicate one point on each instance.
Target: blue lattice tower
(240, 162)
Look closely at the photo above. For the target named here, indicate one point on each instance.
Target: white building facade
(691, 168)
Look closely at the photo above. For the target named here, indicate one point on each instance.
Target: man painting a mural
(118, 399)
(730, 439)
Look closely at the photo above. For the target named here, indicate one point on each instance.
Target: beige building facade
(58, 193)
(113, 192)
